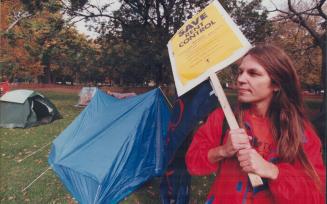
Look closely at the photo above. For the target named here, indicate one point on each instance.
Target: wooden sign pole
(231, 120)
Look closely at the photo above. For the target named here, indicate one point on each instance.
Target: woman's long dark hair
(286, 111)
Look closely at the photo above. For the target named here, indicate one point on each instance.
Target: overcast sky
(81, 27)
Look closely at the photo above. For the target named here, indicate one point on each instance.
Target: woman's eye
(254, 74)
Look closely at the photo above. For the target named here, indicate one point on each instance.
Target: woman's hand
(237, 140)
(252, 162)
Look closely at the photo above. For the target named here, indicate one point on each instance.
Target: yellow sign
(207, 43)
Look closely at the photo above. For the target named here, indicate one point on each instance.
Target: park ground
(17, 170)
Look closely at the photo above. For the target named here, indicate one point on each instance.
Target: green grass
(16, 144)
(312, 104)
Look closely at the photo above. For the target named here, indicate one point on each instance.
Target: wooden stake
(231, 120)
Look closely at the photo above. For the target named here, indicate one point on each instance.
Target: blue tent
(112, 147)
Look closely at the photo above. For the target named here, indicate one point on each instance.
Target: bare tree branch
(300, 20)
(319, 8)
(20, 16)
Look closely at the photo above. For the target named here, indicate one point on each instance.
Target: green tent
(26, 108)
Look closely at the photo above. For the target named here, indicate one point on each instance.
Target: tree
(146, 26)
(133, 39)
(15, 60)
(313, 18)
(298, 44)
(303, 15)
(23, 43)
(72, 56)
(42, 47)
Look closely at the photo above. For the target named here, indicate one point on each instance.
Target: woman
(275, 141)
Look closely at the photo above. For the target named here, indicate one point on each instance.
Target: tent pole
(166, 97)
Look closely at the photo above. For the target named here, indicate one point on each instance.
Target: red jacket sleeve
(206, 137)
(293, 185)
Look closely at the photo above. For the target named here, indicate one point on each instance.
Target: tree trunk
(159, 74)
(324, 85)
(319, 120)
(323, 72)
(47, 75)
(77, 78)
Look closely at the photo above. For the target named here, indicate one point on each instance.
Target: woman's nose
(241, 78)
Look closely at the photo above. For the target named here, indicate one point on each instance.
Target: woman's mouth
(243, 91)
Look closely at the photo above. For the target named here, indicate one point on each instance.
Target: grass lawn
(16, 144)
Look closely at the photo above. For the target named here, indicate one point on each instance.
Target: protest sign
(205, 44)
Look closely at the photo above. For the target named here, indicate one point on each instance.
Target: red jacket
(4, 87)
(232, 186)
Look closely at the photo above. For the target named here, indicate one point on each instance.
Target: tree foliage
(41, 47)
(131, 47)
(298, 44)
(15, 59)
(142, 29)
(312, 17)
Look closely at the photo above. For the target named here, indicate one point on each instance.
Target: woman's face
(253, 83)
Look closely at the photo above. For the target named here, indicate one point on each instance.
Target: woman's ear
(275, 87)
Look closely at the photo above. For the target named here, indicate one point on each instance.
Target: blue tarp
(188, 111)
(112, 147)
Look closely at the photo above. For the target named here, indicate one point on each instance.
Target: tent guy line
(34, 152)
(24, 189)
